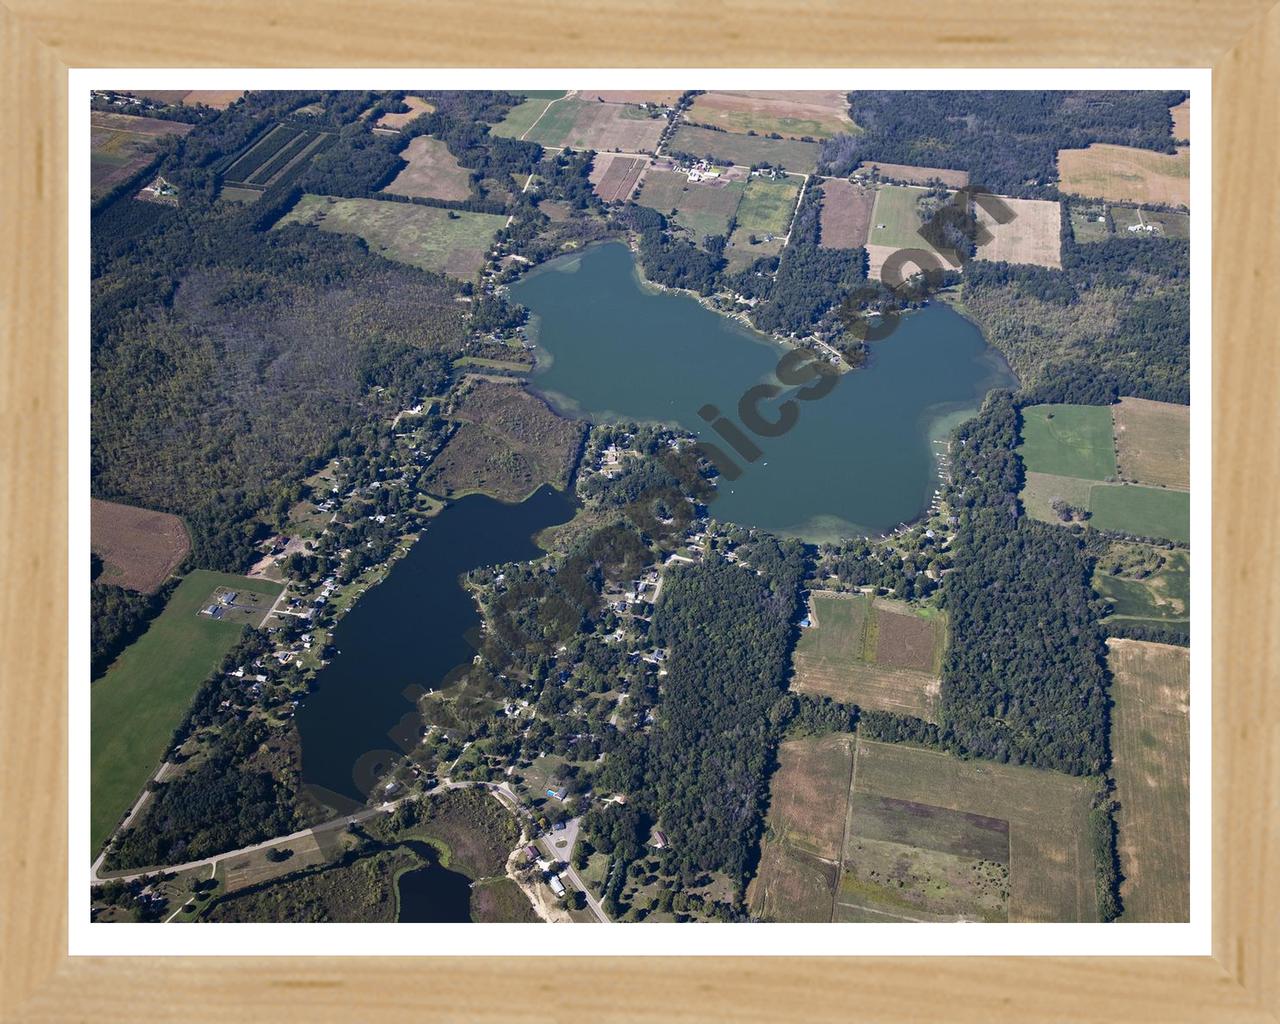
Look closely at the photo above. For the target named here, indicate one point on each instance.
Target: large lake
(859, 460)
(405, 636)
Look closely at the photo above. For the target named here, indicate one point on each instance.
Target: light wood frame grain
(40, 39)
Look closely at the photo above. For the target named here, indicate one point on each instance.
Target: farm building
(557, 886)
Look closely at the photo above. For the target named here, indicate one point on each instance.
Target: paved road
(570, 838)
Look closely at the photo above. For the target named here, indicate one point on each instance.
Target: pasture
(453, 242)
(764, 214)
(745, 150)
(1153, 442)
(1146, 586)
(578, 124)
(702, 207)
(1181, 116)
(1089, 224)
(1033, 236)
(1125, 174)
(615, 176)
(639, 96)
(846, 214)
(120, 145)
(432, 172)
(1068, 440)
(417, 107)
(139, 548)
(522, 116)
(817, 114)
(136, 706)
(1050, 869)
(911, 175)
(1150, 743)
(877, 654)
(895, 225)
(1141, 511)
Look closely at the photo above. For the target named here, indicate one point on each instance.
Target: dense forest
(117, 618)
(1024, 679)
(1006, 140)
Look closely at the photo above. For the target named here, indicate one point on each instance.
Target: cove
(859, 461)
(405, 635)
(433, 894)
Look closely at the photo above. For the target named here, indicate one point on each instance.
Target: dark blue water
(407, 634)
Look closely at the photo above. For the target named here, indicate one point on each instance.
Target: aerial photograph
(639, 506)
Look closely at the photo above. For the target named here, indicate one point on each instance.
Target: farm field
(120, 145)
(817, 113)
(432, 172)
(1153, 442)
(453, 242)
(1068, 440)
(508, 443)
(662, 99)
(577, 124)
(615, 176)
(1181, 115)
(1125, 174)
(879, 655)
(914, 175)
(1033, 236)
(417, 107)
(846, 214)
(1143, 511)
(522, 116)
(1146, 586)
(1150, 742)
(138, 547)
(895, 225)
(139, 702)
(1050, 870)
(702, 207)
(218, 99)
(278, 154)
(765, 212)
(730, 147)
(866, 831)
(800, 851)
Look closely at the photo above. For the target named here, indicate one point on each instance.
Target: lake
(433, 894)
(860, 460)
(404, 636)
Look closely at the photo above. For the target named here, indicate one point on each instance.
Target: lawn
(1068, 440)
(453, 242)
(1150, 741)
(139, 702)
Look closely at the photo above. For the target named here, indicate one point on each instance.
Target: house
(557, 886)
(659, 840)
(556, 794)
(805, 623)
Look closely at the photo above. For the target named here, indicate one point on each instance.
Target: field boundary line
(848, 817)
(568, 93)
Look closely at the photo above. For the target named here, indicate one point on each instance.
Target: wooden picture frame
(41, 39)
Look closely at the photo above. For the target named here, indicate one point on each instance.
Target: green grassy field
(1086, 227)
(1068, 440)
(799, 157)
(895, 220)
(522, 116)
(1145, 595)
(446, 241)
(767, 206)
(139, 702)
(1144, 511)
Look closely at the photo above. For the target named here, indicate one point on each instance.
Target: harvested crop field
(703, 207)
(615, 176)
(746, 150)
(1050, 869)
(1126, 174)
(1181, 115)
(817, 114)
(139, 547)
(449, 241)
(218, 99)
(432, 172)
(1150, 742)
(120, 145)
(912, 175)
(578, 124)
(1033, 236)
(417, 107)
(883, 657)
(1153, 442)
(846, 214)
